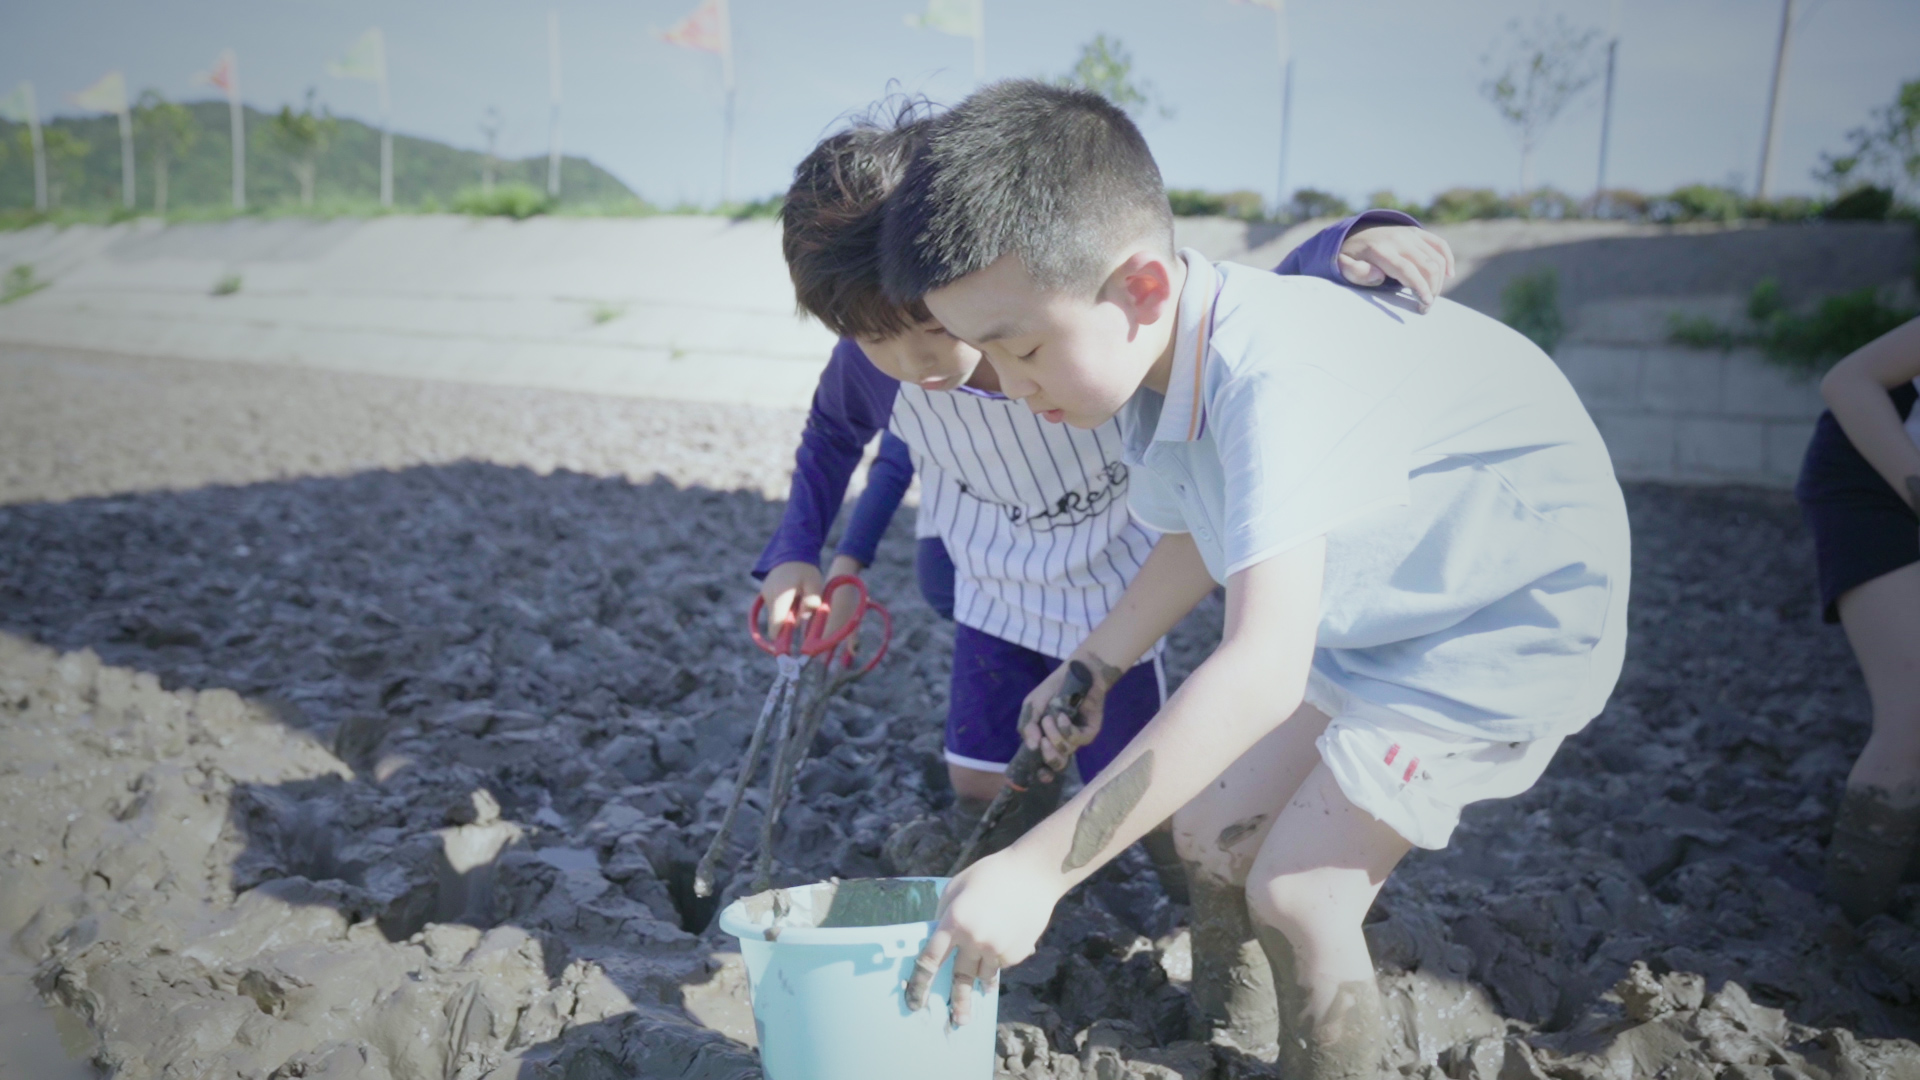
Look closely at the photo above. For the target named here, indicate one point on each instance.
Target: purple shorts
(992, 677)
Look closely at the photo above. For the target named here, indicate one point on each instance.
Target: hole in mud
(696, 912)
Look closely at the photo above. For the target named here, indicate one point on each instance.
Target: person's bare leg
(1217, 836)
(1317, 873)
(1875, 831)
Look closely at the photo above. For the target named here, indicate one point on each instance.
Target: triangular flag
(109, 95)
(366, 60)
(18, 106)
(220, 74)
(703, 30)
(960, 18)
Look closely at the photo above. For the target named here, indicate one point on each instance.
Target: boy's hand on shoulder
(791, 591)
(1409, 254)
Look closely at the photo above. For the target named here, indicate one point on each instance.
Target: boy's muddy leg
(1166, 863)
(1317, 873)
(1876, 830)
(1232, 989)
(1873, 837)
(1217, 836)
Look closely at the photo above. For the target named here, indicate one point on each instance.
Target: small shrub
(1531, 304)
(227, 285)
(1469, 204)
(1549, 204)
(1621, 204)
(1788, 208)
(1861, 204)
(1807, 343)
(768, 207)
(1700, 202)
(516, 201)
(1193, 202)
(20, 282)
(1699, 332)
(1387, 200)
(1766, 301)
(1837, 325)
(1313, 203)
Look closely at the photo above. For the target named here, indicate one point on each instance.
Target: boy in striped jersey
(1022, 523)
(1424, 550)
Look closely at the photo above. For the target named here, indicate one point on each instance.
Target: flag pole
(726, 76)
(386, 131)
(553, 122)
(1286, 94)
(1770, 140)
(39, 151)
(126, 154)
(980, 41)
(237, 115)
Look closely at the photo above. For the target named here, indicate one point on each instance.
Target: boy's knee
(1298, 907)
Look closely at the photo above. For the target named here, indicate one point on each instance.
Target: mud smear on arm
(1239, 831)
(1106, 811)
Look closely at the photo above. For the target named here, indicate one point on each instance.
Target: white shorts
(1412, 775)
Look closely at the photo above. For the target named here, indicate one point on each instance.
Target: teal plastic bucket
(829, 1001)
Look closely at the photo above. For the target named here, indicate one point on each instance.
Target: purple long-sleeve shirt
(854, 400)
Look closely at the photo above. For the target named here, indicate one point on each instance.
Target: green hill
(424, 171)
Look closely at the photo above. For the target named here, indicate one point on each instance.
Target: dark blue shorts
(1861, 528)
(992, 677)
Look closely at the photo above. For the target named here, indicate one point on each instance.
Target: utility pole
(1606, 115)
(1770, 140)
(553, 135)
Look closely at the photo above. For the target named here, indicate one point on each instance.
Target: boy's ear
(1144, 286)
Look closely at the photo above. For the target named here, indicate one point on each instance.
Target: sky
(1386, 93)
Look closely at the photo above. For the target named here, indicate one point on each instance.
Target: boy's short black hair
(830, 223)
(1060, 177)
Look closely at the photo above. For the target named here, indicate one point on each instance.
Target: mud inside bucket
(828, 964)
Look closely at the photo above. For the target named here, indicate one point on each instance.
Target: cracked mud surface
(403, 773)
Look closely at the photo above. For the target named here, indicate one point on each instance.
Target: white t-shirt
(1477, 545)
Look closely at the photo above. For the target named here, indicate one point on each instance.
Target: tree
(169, 132)
(1885, 150)
(303, 135)
(1106, 68)
(1544, 68)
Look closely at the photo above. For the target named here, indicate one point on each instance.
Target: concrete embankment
(700, 309)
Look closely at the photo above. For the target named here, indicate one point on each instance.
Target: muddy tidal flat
(356, 728)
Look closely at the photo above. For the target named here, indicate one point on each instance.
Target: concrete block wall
(1696, 416)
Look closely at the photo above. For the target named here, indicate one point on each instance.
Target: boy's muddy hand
(1055, 734)
(990, 917)
(1410, 255)
(791, 591)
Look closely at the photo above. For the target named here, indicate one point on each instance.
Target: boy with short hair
(1024, 521)
(1421, 538)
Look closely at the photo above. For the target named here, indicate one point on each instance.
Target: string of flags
(707, 28)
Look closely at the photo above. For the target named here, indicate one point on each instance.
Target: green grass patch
(1531, 304)
(1807, 341)
(20, 282)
